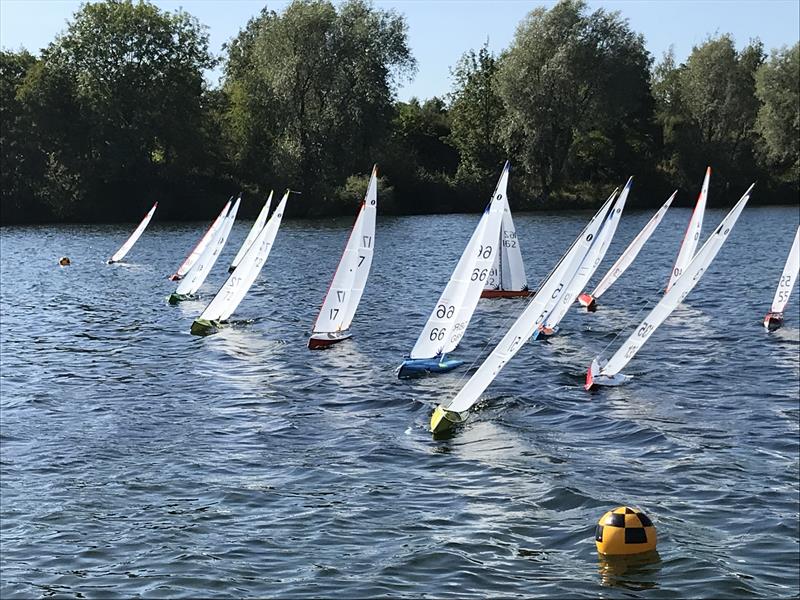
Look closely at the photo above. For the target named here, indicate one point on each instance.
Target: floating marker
(625, 530)
(64, 261)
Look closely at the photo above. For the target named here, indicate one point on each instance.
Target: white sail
(533, 315)
(238, 283)
(591, 261)
(451, 315)
(188, 263)
(571, 268)
(258, 225)
(788, 277)
(692, 237)
(341, 301)
(508, 270)
(198, 273)
(682, 286)
(630, 253)
(137, 233)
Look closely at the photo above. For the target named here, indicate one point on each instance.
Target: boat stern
(320, 341)
(204, 327)
(174, 298)
(773, 321)
(444, 420)
(588, 301)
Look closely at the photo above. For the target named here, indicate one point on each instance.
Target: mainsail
(201, 245)
(341, 301)
(692, 237)
(137, 233)
(609, 373)
(626, 258)
(238, 283)
(258, 225)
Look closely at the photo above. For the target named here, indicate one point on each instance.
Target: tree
(778, 120)
(476, 110)
(577, 98)
(707, 108)
(310, 92)
(21, 158)
(121, 94)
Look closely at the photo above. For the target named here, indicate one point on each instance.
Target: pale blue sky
(441, 30)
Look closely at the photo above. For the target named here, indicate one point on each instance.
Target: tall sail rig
(344, 294)
(132, 239)
(588, 265)
(774, 318)
(200, 270)
(189, 261)
(507, 277)
(455, 410)
(238, 283)
(452, 313)
(692, 237)
(609, 373)
(626, 258)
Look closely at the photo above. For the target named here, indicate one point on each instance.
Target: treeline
(116, 113)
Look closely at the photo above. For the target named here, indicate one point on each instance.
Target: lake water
(141, 461)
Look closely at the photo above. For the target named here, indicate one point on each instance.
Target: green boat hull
(205, 327)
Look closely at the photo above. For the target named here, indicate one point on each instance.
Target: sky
(440, 31)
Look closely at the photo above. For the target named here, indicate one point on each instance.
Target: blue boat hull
(417, 367)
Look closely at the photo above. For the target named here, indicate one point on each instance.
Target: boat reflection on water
(632, 571)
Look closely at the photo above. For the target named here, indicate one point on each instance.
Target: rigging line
(648, 302)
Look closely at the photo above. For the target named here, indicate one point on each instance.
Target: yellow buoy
(625, 530)
(64, 261)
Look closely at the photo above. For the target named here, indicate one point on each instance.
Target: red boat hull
(317, 342)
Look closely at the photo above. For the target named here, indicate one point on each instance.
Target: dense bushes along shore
(116, 113)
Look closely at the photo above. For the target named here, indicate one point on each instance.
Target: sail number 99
(437, 334)
(484, 252)
(479, 274)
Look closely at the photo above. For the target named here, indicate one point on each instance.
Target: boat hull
(595, 379)
(544, 333)
(174, 298)
(773, 321)
(205, 327)
(418, 367)
(588, 301)
(443, 420)
(506, 293)
(320, 341)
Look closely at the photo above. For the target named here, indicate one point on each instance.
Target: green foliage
(707, 108)
(120, 95)
(116, 113)
(570, 79)
(778, 121)
(476, 111)
(310, 92)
